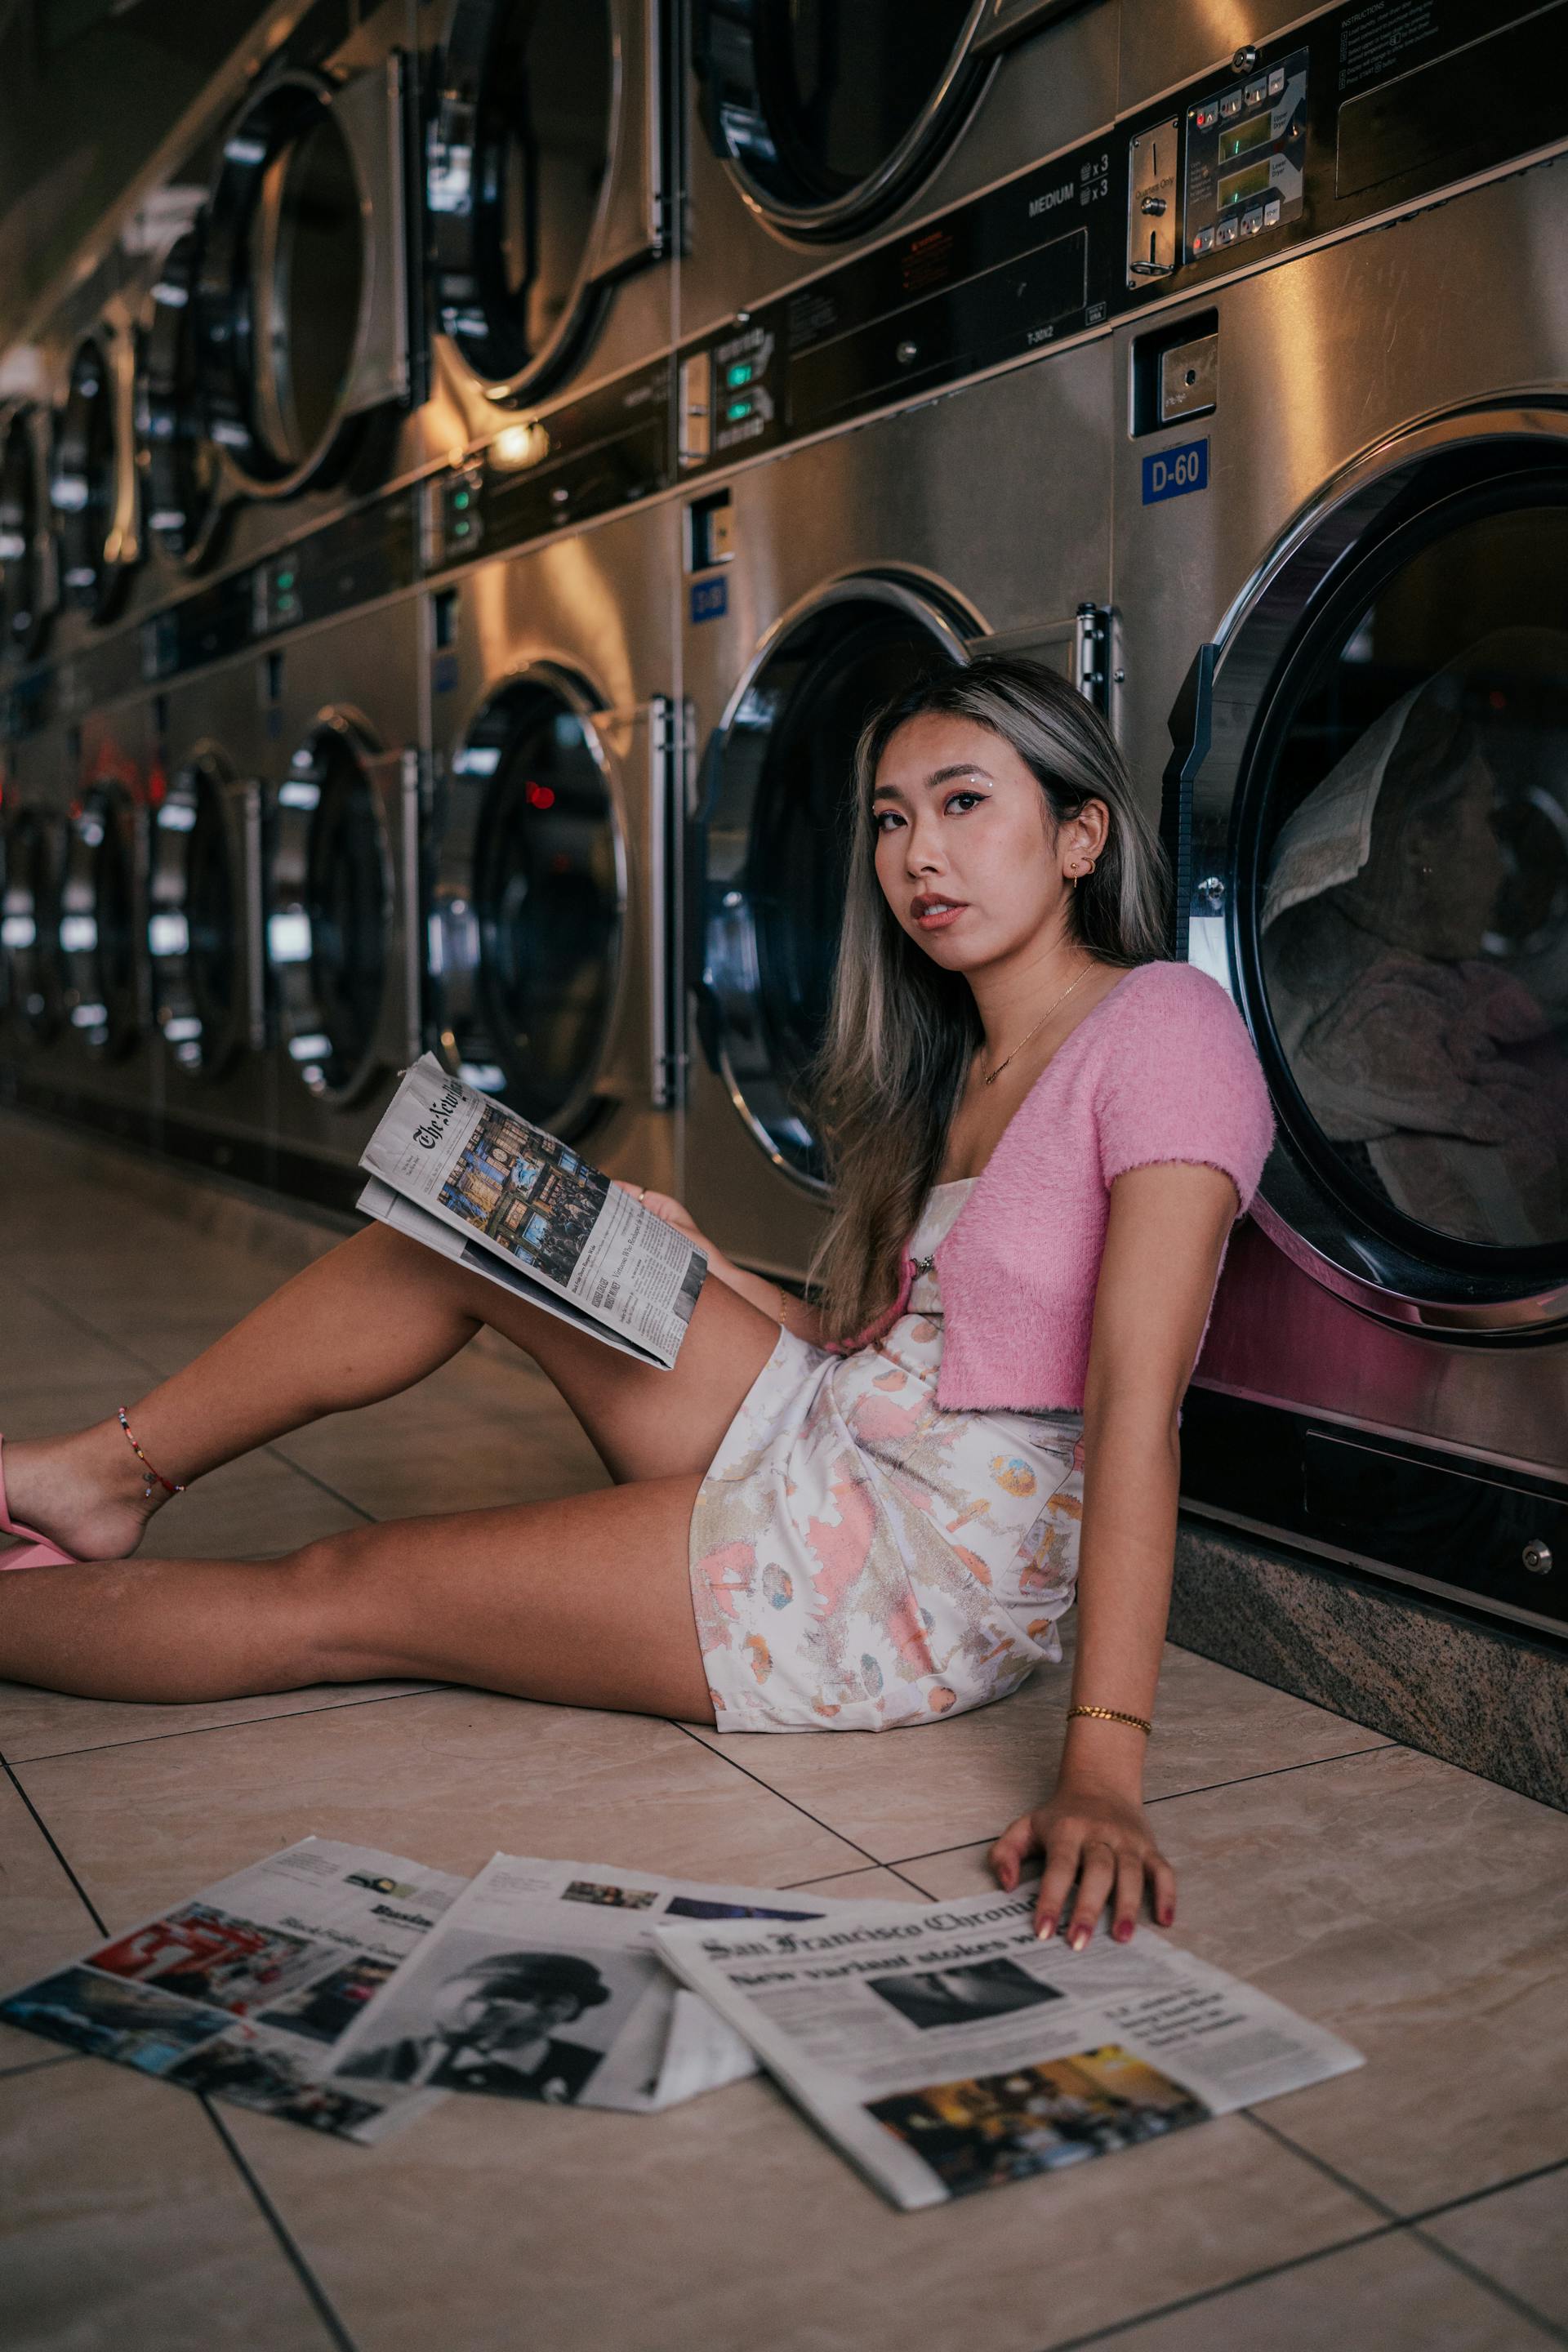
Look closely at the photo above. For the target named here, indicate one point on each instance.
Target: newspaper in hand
(948, 2050)
(244, 1991)
(544, 1981)
(480, 1185)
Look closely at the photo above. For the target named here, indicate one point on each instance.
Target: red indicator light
(538, 796)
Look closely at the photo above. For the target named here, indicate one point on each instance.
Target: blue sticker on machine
(1171, 473)
(710, 598)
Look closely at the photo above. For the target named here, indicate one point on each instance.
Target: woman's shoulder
(1179, 1077)
(1154, 996)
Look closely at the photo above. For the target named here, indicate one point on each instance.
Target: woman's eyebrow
(964, 768)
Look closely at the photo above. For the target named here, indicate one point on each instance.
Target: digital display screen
(1235, 187)
(1244, 136)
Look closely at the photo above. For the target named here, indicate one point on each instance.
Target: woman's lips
(936, 914)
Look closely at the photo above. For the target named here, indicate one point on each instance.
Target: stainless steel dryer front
(342, 817)
(1379, 865)
(825, 579)
(552, 955)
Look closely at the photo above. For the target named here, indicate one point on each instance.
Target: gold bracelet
(784, 1306)
(1113, 1715)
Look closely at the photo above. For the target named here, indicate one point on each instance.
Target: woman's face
(967, 854)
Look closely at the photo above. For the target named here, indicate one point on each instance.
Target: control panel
(1245, 155)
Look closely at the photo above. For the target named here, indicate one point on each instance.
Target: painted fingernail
(1167, 1918)
(1046, 1930)
(1122, 1931)
(1079, 1938)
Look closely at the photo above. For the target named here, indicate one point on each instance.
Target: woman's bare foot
(84, 1492)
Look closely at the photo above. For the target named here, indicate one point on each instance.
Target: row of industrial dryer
(571, 813)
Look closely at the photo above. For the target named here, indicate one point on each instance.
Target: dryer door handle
(1191, 725)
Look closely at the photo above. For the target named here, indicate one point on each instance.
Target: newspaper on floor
(479, 1184)
(948, 2050)
(245, 1992)
(544, 1981)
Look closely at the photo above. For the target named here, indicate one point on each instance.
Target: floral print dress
(861, 1558)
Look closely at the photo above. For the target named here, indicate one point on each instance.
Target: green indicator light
(285, 581)
(737, 412)
(460, 530)
(460, 500)
(739, 374)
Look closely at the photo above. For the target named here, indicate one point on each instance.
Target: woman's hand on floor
(1099, 1838)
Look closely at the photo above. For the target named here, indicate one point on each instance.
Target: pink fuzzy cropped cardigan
(1162, 1069)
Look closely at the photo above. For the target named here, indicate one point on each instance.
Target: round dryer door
(23, 597)
(777, 840)
(29, 928)
(521, 143)
(171, 429)
(1400, 927)
(829, 112)
(327, 932)
(195, 926)
(84, 487)
(98, 921)
(284, 271)
(532, 903)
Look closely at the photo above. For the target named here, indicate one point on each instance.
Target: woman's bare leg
(584, 1602)
(370, 1318)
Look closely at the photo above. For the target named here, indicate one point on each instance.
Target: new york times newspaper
(544, 1981)
(245, 1990)
(479, 1184)
(948, 2051)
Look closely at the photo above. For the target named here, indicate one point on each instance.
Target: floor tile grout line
(1321, 2164)
(1481, 2278)
(52, 1842)
(240, 1723)
(1217, 2294)
(37, 2065)
(806, 1814)
(1493, 2189)
(274, 2219)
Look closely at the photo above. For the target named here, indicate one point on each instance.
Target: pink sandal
(36, 1551)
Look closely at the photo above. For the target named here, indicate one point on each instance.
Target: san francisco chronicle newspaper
(947, 2050)
(244, 1991)
(544, 1981)
(476, 1182)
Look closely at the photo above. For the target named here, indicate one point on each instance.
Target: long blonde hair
(903, 1031)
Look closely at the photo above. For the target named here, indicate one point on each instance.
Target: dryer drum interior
(778, 833)
(1400, 833)
(828, 110)
(29, 926)
(327, 929)
(535, 907)
(520, 144)
(196, 921)
(285, 266)
(21, 564)
(84, 487)
(182, 470)
(98, 921)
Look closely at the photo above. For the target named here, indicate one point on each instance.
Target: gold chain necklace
(992, 1076)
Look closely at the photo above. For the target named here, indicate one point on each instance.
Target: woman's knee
(330, 1593)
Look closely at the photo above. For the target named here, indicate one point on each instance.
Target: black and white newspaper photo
(245, 1990)
(476, 1183)
(948, 2051)
(544, 1981)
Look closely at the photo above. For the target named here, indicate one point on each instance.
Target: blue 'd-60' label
(1171, 473)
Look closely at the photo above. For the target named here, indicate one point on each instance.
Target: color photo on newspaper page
(245, 1990)
(481, 1185)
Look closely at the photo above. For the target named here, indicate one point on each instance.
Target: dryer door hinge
(1091, 656)
(665, 803)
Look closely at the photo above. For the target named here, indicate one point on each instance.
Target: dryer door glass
(830, 106)
(549, 895)
(181, 462)
(519, 148)
(20, 585)
(306, 267)
(98, 915)
(1411, 900)
(194, 930)
(778, 842)
(29, 928)
(327, 923)
(83, 487)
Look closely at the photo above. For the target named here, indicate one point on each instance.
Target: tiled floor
(1420, 2205)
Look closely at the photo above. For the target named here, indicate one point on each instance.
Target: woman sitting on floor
(861, 1513)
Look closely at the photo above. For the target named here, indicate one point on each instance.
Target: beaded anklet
(150, 1477)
